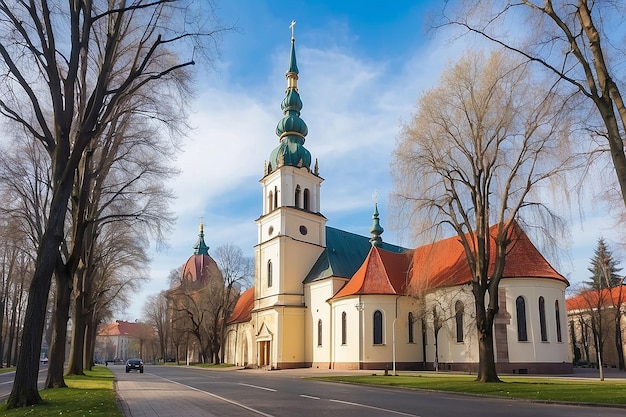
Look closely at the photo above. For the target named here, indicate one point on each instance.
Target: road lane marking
(261, 413)
(256, 386)
(309, 396)
(374, 408)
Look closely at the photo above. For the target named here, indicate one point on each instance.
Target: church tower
(291, 236)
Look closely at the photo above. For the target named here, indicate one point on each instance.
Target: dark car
(134, 364)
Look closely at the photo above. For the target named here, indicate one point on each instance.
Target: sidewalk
(141, 398)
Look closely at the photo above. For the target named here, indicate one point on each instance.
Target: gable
(344, 254)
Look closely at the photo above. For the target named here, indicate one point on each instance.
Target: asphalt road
(181, 391)
(6, 382)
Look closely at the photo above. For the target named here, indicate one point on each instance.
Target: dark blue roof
(344, 254)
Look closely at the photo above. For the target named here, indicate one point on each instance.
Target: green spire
(201, 248)
(291, 129)
(376, 229)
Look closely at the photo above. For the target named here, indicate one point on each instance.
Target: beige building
(592, 316)
(327, 298)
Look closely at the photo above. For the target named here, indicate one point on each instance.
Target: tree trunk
(618, 339)
(2, 315)
(12, 330)
(56, 356)
(486, 362)
(77, 349)
(24, 392)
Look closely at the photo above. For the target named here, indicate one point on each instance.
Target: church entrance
(264, 353)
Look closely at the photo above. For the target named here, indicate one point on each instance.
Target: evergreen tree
(603, 268)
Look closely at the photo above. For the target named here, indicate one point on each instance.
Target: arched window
(296, 200)
(542, 319)
(269, 273)
(319, 332)
(410, 323)
(459, 309)
(344, 328)
(378, 327)
(557, 315)
(307, 199)
(275, 197)
(270, 202)
(520, 307)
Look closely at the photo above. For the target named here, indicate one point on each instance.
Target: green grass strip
(529, 388)
(89, 395)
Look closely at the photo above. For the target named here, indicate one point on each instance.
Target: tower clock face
(303, 230)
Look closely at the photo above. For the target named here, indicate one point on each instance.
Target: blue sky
(363, 66)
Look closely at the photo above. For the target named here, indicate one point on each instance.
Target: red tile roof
(125, 328)
(443, 263)
(241, 312)
(382, 272)
(594, 299)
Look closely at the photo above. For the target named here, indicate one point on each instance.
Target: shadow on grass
(91, 394)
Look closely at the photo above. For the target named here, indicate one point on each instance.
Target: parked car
(134, 364)
(44, 360)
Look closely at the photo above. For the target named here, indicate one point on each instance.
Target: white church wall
(535, 349)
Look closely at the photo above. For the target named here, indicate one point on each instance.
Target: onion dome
(376, 229)
(291, 129)
(200, 266)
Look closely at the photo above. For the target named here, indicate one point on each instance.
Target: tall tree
(60, 81)
(155, 313)
(238, 272)
(604, 268)
(473, 155)
(580, 43)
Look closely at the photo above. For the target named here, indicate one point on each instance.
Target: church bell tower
(291, 235)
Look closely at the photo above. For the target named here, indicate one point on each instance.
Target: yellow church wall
(319, 355)
(240, 349)
(290, 340)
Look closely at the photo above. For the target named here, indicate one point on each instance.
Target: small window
(557, 316)
(269, 273)
(319, 333)
(307, 198)
(275, 197)
(378, 327)
(296, 200)
(270, 202)
(542, 319)
(520, 307)
(459, 309)
(344, 329)
(410, 323)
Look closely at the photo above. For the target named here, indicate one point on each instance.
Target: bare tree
(61, 82)
(476, 148)
(155, 313)
(580, 43)
(238, 272)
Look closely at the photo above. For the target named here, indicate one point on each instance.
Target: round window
(270, 230)
(303, 230)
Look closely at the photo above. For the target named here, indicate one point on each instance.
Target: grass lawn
(89, 395)
(542, 389)
(8, 369)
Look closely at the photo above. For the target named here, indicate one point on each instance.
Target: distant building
(123, 340)
(592, 316)
(327, 298)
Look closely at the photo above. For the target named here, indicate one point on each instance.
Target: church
(327, 298)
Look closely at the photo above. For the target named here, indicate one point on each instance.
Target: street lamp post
(393, 345)
(360, 307)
